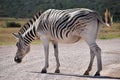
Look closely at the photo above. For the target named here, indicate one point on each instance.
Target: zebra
(61, 26)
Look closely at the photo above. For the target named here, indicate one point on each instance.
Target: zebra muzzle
(17, 60)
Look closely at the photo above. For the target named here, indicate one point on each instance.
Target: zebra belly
(68, 40)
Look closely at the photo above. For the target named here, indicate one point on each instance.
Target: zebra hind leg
(97, 52)
(92, 56)
(55, 44)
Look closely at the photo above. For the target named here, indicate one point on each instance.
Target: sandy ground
(74, 59)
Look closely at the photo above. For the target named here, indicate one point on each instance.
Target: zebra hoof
(86, 73)
(57, 71)
(44, 71)
(97, 74)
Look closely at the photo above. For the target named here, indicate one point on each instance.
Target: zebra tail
(108, 19)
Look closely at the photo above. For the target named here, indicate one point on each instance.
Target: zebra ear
(16, 35)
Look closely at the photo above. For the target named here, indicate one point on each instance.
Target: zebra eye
(17, 44)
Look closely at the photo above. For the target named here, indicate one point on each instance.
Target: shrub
(13, 24)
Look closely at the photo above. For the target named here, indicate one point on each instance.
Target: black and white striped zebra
(61, 26)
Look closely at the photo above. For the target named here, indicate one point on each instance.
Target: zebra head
(22, 48)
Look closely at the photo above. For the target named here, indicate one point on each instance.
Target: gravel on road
(74, 59)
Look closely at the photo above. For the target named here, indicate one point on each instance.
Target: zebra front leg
(55, 44)
(92, 56)
(46, 51)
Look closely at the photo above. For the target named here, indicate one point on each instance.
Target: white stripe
(35, 24)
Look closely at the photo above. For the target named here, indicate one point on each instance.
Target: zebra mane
(29, 23)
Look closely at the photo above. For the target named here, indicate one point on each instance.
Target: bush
(13, 24)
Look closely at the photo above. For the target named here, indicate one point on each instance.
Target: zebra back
(62, 24)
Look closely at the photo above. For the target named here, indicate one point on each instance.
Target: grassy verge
(110, 32)
(6, 37)
(3, 21)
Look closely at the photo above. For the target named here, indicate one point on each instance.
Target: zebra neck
(28, 31)
(27, 40)
(29, 35)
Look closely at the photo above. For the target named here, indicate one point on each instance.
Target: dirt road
(74, 59)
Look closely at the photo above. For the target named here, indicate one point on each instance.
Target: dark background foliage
(27, 8)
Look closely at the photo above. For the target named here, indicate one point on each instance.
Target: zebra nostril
(18, 60)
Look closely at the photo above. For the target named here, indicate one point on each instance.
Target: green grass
(6, 37)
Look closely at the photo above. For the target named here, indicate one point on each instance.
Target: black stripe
(26, 39)
(61, 25)
(55, 22)
(37, 16)
(26, 42)
(74, 19)
(31, 21)
(23, 29)
(25, 26)
(34, 18)
(32, 33)
(70, 23)
(67, 33)
(45, 26)
(30, 36)
(34, 30)
(39, 13)
(28, 24)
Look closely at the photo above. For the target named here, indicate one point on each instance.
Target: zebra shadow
(76, 75)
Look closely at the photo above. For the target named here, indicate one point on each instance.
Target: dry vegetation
(110, 32)
(3, 21)
(6, 37)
